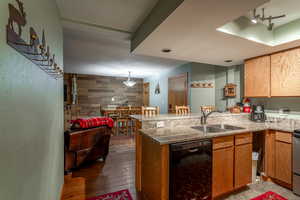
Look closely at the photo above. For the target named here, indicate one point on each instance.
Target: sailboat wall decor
(36, 51)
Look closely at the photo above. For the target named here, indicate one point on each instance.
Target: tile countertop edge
(175, 116)
(196, 134)
(162, 117)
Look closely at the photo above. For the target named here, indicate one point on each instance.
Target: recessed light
(254, 21)
(166, 50)
(228, 61)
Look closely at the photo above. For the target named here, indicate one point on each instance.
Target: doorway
(178, 91)
(146, 90)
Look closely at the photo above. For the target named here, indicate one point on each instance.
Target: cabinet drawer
(245, 138)
(223, 142)
(284, 137)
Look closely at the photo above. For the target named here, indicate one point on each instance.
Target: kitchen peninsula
(231, 151)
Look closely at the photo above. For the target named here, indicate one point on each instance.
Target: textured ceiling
(108, 54)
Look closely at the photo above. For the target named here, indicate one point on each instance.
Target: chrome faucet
(205, 116)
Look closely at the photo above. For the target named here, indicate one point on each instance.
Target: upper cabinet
(276, 75)
(285, 73)
(257, 77)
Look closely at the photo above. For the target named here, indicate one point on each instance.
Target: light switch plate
(160, 124)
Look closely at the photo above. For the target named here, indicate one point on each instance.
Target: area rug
(119, 195)
(269, 196)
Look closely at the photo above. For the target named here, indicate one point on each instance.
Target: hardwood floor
(74, 189)
(116, 173)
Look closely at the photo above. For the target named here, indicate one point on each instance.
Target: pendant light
(129, 82)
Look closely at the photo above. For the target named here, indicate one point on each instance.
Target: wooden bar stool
(150, 111)
(207, 109)
(182, 110)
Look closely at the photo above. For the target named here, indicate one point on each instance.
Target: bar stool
(182, 110)
(150, 111)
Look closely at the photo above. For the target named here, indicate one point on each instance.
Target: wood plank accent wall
(93, 89)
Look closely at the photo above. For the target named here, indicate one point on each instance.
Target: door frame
(186, 91)
(146, 83)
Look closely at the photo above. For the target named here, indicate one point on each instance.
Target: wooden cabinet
(223, 160)
(278, 156)
(243, 160)
(285, 73)
(154, 170)
(283, 157)
(283, 169)
(232, 163)
(257, 77)
(270, 153)
(276, 75)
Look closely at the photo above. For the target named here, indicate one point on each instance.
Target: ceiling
(123, 15)
(97, 38)
(108, 53)
(190, 31)
(279, 7)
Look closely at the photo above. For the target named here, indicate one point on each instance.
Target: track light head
(254, 21)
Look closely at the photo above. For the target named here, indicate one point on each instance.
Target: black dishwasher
(191, 170)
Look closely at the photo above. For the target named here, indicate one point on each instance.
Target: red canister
(247, 109)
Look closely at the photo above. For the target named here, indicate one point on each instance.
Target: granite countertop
(176, 116)
(182, 134)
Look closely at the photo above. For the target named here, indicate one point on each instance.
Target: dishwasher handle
(297, 135)
(193, 150)
(191, 145)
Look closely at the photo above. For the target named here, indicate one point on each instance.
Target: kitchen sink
(216, 128)
(226, 127)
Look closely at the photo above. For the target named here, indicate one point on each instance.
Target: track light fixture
(262, 18)
(254, 17)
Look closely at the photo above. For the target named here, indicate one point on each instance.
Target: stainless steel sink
(216, 128)
(226, 127)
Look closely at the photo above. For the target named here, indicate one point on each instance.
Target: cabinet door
(243, 165)
(257, 77)
(270, 153)
(285, 73)
(223, 160)
(283, 163)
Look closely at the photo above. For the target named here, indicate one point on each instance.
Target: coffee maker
(258, 113)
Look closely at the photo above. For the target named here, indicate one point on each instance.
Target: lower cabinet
(243, 165)
(232, 163)
(279, 156)
(283, 163)
(222, 171)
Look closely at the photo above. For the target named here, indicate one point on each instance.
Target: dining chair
(150, 111)
(207, 109)
(182, 110)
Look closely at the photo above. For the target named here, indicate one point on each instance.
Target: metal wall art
(36, 51)
(157, 89)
